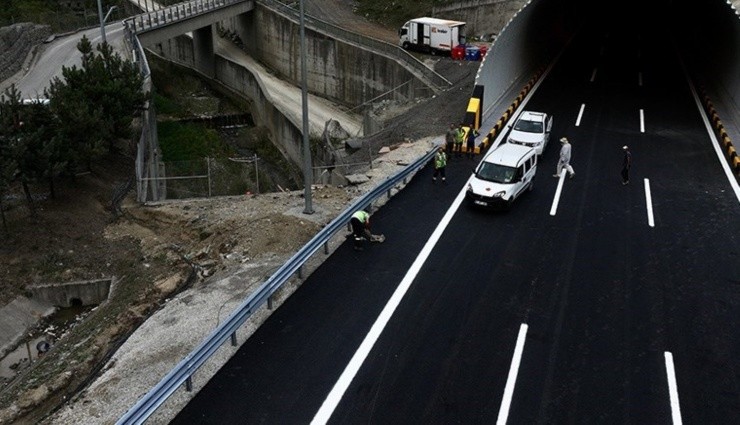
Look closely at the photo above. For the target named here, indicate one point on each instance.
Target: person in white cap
(626, 164)
(564, 161)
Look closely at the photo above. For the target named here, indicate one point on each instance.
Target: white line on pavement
(593, 75)
(642, 121)
(639, 79)
(580, 114)
(503, 413)
(673, 389)
(559, 190)
(649, 202)
(337, 392)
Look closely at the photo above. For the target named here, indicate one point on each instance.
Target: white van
(502, 176)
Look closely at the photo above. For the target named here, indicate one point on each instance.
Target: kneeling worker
(360, 222)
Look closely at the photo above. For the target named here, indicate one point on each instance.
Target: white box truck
(431, 35)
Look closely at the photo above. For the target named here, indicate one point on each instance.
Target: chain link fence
(210, 177)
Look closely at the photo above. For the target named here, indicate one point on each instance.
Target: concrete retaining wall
(91, 292)
(481, 17)
(285, 134)
(337, 71)
(179, 50)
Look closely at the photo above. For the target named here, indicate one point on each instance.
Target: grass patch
(189, 142)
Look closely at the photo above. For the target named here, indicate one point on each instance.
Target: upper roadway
(595, 303)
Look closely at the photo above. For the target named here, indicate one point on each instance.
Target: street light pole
(102, 21)
(103, 18)
(307, 171)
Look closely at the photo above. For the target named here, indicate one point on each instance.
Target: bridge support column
(203, 47)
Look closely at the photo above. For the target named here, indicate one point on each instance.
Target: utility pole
(103, 18)
(307, 171)
(102, 22)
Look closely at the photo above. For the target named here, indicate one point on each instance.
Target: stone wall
(16, 41)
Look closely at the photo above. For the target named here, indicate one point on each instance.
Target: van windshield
(496, 173)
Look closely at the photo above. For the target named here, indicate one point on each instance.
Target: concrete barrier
(88, 292)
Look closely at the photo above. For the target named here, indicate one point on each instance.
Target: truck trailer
(431, 35)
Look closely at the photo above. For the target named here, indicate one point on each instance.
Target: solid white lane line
(639, 79)
(340, 387)
(642, 121)
(673, 389)
(593, 75)
(503, 413)
(556, 200)
(580, 114)
(649, 202)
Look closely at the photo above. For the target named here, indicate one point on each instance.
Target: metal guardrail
(392, 51)
(184, 370)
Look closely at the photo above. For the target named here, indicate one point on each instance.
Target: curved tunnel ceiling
(705, 32)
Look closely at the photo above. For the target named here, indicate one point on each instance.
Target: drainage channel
(73, 301)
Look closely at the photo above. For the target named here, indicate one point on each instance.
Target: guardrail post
(189, 384)
(269, 302)
(300, 272)
(326, 247)
(233, 339)
(389, 193)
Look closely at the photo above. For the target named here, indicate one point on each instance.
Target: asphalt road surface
(595, 303)
(63, 52)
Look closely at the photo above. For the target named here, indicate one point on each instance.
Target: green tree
(9, 142)
(80, 119)
(96, 103)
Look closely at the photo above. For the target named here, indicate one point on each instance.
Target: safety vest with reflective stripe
(362, 216)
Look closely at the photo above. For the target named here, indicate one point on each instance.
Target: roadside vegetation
(62, 16)
(393, 13)
(88, 110)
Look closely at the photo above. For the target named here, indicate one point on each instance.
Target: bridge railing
(153, 19)
(381, 47)
(184, 370)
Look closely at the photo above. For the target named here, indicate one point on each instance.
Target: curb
(475, 101)
(720, 132)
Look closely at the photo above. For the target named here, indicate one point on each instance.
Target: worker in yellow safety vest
(360, 222)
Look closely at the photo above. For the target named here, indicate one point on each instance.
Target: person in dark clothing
(626, 165)
(470, 147)
(450, 138)
(360, 223)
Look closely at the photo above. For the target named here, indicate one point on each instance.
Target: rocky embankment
(16, 42)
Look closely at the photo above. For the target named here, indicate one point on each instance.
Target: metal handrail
(188, 9)
(184, 370)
